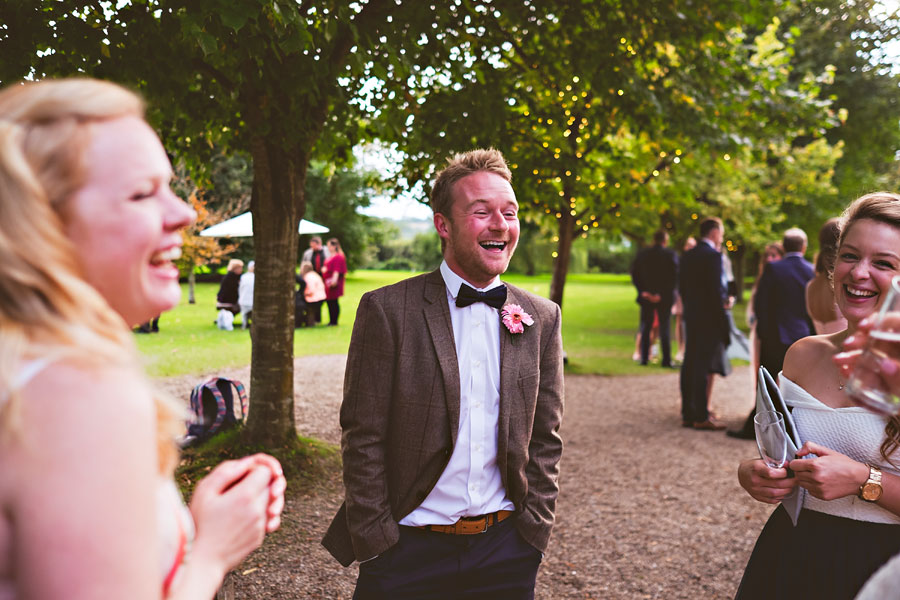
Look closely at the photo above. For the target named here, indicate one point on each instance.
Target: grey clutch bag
(768, 397)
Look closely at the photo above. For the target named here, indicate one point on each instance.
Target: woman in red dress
(334, 271)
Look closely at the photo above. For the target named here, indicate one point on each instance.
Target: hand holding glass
(873, 383)
(771, 438)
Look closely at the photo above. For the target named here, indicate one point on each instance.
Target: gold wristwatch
(871, 490)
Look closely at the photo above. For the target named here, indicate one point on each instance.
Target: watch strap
(873, 481)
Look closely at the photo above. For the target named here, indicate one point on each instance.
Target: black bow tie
(494, 297)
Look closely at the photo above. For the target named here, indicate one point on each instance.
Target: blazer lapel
(437, 318)
(510, 347)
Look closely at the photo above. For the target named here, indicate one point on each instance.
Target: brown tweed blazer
(400, 414)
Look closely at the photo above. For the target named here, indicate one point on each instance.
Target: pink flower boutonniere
(515, 318)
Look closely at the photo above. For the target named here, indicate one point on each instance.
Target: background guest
(654, 274)
(678, 309)
(720, 363)
(780, 308)
(772, 252)
(227, 298)
(314, 293)
(316, 255)
(333, 274)
(245, 294)
(820, 302)
(301, 308)
(151, 326)
(704, 294)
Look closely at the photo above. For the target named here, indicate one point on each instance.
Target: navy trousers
(698, 354)
(648, 314)
(426, 565)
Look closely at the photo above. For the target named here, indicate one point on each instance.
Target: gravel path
(647, 509)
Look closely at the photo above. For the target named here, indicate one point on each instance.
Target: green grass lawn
(600, 318)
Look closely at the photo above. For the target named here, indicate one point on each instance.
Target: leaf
(207, 42)
(234, 14)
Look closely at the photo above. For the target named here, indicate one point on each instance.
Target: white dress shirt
(470, 484)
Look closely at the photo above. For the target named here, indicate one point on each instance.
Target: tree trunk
(277, 204)
(563, 256)
(192, 280)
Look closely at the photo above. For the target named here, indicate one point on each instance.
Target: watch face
(871, 492)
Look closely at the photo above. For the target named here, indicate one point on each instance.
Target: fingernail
(888, 366)
(850, 339)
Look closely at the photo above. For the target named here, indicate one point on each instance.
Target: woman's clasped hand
(234, 507)
(765, 483)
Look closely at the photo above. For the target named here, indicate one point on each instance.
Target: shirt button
(476, 363)
(477, 323)
(478, 405)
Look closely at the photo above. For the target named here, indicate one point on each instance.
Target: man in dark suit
(780, 302)
(453, 398)
(654, 274)
(705, 297)
(780, 309)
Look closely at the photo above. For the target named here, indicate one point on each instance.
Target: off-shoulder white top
(853, 431)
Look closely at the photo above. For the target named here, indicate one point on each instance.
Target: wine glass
(771, 438)
(870, 386)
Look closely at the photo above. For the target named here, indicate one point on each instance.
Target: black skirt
(823, 557)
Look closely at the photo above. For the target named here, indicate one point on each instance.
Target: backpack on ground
(216, 405)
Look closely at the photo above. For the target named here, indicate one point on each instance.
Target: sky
(384, 160)
(402, 208)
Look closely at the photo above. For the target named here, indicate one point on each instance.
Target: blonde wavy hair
(47, 309)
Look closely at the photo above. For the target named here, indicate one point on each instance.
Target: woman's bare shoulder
(83, 442)
(70, 412)
(72, 385)
(806, 356)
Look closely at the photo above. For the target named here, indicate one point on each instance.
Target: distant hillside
(410, 228)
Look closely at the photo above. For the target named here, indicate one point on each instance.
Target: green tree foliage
(421, 253)
(851, 38)
(280, 80)
(596, 104)
(333, 195)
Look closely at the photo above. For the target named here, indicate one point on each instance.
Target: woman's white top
(853, 431)
(245, 289)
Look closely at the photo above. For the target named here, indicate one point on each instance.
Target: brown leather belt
(470, 525)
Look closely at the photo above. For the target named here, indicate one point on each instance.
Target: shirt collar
(710, 242)
(789, 254)
(454, 281)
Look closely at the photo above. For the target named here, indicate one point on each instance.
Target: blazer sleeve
(637, 273)
(545, 446)
(368, 384)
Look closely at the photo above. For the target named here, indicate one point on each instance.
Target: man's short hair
(708, 224)
(660, 236)
(794, 240)
(461, 165)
